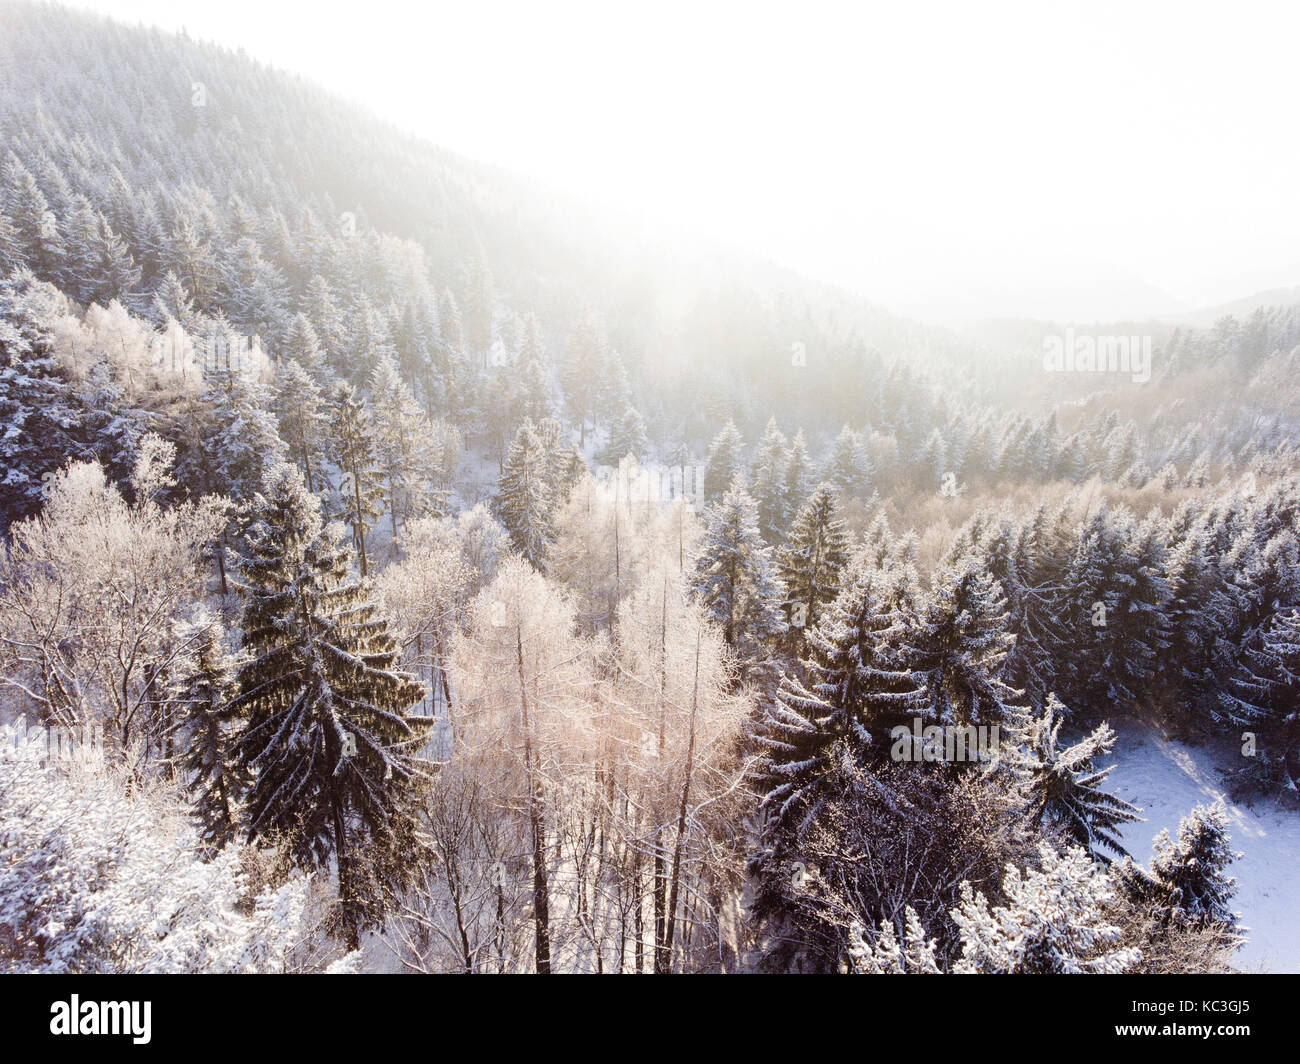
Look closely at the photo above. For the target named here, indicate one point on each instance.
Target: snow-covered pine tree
(303, 420)
(203, 684)
(323, 709)
(814, 556)
(627, 436)
(799, 481)
(352, 445)
(960, 642)
(848, 466)
(1056, 921)
(1264, 696)
(769, 484)
(1187, 881)
(1064, 786)
(724, 462)
(401, 442)
(852, 693)
(582, 372)
(525, 496)
(736, 579)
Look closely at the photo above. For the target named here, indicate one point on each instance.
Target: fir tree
(736, 578)
(204, 685)
(1186, 883)
(525, 496)
(353, 447)
(303, 420)
(724, 462)
(325, 728)
(627, 436)
(814, 556)
(1064, 787)
(769, 484)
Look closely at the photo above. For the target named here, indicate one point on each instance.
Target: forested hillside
(568, 603)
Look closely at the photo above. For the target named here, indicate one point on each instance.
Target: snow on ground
(1166, 779)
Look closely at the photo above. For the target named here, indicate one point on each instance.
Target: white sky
(950, 159)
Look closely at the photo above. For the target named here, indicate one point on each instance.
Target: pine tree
(582, 372)
(799, 481)
(627, 436)
(1186, 883)
(401, 434)
(525, 496)
(303, 420)
(814, 556)
(205, 685)
(849, 468)
(854, 692)
(960, 643)
(323, 709)
(769, 484)
(1264, 695)
(736, 578)
(1064, 787)
(36, 227)
(724, 462)
(353, 448)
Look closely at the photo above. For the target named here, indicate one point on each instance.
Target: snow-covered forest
(401, 572)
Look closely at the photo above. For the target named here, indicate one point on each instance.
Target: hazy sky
(1039, 158)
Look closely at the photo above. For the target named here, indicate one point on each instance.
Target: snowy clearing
(1167, 778)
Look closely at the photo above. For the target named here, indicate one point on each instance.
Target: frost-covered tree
(847, 464)
(203, 684)
(303, 419)
(1064, 785)
(736, 578)
(526, 496)
(725, 462)
(1187, 882)
(814, 556)
(352, 446)
(102, 877)
(323, 707)
(1057, 921)
(769, 484)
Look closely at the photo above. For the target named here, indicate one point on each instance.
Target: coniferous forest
(402, 572)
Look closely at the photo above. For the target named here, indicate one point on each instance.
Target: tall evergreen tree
(736, 578)
(724, 462)
(353, 447)
(769, 484)
(204, 684)
(1064, 786)
(525, 496)
(324, 710)
(814, 556)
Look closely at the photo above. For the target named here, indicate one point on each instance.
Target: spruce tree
(724, 462)
(769, 484)
(799, 481)
(1187, 882)
(627, 436)
(353, 447)
(325, 727)
(204, 684)
(303, 420)
(736, 578)
(1064, 786)
(525, 496)
(813, 558)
